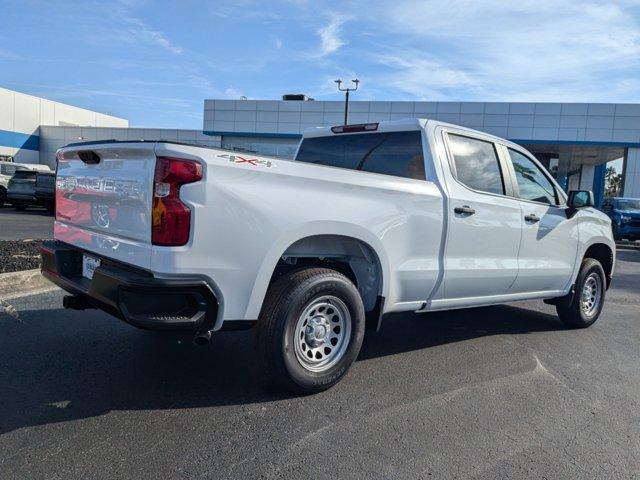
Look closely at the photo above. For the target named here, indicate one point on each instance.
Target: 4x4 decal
(255, 162)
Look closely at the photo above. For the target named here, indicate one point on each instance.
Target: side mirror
(580, 199)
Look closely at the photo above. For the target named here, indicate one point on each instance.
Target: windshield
(628, 204)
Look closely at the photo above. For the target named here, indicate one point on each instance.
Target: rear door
(484, 227)
(549, 236)
(104, 198)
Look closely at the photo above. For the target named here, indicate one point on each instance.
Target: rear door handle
(465, 209)
(532, 217)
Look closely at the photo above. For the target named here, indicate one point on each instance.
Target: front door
(549, 235)
(481, 256)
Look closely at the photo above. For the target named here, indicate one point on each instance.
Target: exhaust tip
(202, 338)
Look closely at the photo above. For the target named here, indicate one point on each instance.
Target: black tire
(576, 314)
(19, 207)
(3, 196)
(286, 301)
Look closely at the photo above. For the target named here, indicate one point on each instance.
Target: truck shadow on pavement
(57, 365)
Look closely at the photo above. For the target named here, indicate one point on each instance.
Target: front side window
(532, 183)
(476, 163)
(390, 153)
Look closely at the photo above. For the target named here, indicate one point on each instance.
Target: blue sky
(155, 62)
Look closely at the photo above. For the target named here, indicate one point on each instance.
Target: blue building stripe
(19, 140)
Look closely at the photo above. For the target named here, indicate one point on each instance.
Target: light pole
(346, 96)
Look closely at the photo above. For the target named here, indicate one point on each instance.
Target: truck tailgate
(104, 198)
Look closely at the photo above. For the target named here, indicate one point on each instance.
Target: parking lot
(34, 222)
(489, 393)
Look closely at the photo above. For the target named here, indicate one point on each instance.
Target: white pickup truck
(410, 215)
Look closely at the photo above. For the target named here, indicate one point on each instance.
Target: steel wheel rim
(322, 333)
(591, 294)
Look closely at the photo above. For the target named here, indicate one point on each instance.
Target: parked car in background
(5, 176)
(21, 189)
(7, 169)
(46, 189)
(625, 217)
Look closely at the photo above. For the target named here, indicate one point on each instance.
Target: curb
(23, 283)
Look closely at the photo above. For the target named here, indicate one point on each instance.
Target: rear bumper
(133, 295)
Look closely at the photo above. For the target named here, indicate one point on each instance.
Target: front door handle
(465, 209)
(532, 217)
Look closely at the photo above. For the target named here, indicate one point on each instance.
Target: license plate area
(89, 265)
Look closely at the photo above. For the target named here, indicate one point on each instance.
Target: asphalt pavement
(33, 223)
(499, 392)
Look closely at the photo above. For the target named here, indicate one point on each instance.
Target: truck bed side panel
(247, 213)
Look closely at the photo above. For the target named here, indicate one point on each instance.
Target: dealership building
(573, 140)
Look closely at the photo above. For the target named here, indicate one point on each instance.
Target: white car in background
(410, 215)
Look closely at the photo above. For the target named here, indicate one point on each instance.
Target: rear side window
(476, 163)
(532, 183)
(389, 153)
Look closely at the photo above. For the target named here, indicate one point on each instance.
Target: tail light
(171, 218)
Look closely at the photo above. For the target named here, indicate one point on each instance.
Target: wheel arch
(604, 254)
(317, 244)
(351, 256)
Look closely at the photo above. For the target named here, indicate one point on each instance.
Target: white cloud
(330, 35)
(234, 93)
(521, 50)
(142, 32)
(420, 76)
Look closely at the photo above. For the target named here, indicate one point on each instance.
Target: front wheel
(310, 329)
(588, 298)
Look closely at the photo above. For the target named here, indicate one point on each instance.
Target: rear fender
(280, 246)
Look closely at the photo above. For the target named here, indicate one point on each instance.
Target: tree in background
(613, 182)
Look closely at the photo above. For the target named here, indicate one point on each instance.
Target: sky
(155, 62)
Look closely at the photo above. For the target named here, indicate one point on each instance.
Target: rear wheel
(3, 196)
(588, 299)
(19, 206)
(310, 329)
